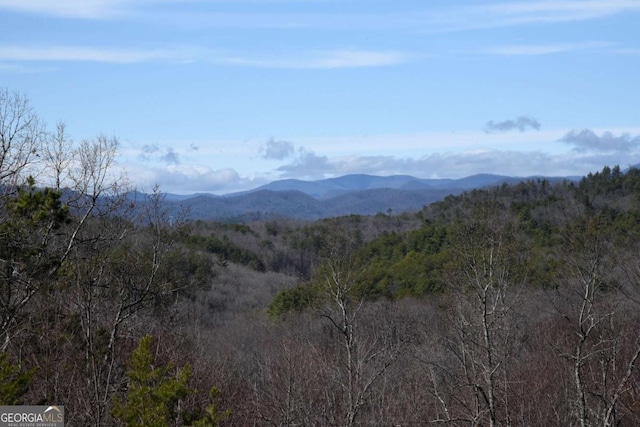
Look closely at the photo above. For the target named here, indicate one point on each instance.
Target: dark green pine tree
(13, 381)
(153, 392)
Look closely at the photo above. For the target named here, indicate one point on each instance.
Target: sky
(226, 95)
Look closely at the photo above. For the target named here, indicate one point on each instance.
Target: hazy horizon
(221, 96)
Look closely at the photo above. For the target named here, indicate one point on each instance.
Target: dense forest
(511, 305)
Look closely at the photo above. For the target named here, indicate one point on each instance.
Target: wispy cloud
(521, 124)
(85, 9)
(89, 54)
(324, 60)
(542, 49)
(453, 18)
(14, 68)
(185, 54)
(512, 13)
(560, 11)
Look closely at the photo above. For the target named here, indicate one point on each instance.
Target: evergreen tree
(153, 392)
(13, 381)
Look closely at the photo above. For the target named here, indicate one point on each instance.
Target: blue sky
(225, 95)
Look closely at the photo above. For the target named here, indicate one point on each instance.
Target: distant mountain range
(349, 194)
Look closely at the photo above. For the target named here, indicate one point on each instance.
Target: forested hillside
(513, 305)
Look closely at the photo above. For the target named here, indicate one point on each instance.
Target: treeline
(514, 305)
(522, 309)
(417, 262)
(84, 276)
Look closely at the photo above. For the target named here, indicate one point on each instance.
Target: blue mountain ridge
(350, 194)
(331, 187)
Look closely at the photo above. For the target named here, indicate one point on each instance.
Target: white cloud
(560, 11)
(458, 156)
(457, 165)
(21, 69)
(453, 18)
(429, 155)
(86, 9)
(507, 14)
(541, 49)
(324, 60)
(187, 179)
(312, 60)
(88, 54)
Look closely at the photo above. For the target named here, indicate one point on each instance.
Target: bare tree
(58, 155)
(21, 136)
(601, 350)
(470, 377)
(120, 269)
(367, 349)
